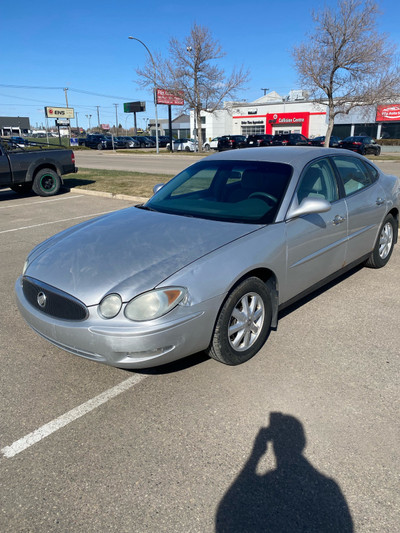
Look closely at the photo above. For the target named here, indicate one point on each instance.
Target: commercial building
(14, 126)
(295, 113)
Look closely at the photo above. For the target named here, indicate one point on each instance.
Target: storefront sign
(164, 97)
(59, 112)
(387, 113)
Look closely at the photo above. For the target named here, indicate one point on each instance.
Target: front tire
(243, 323)
(46, 183)
(384, 245)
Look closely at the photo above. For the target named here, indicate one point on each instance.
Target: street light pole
(89, 117)
(155, 86)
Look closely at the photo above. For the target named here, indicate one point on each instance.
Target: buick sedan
(210, 259)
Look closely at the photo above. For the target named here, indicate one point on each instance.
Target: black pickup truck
(34, 166)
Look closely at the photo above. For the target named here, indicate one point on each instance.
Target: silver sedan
(210, 259)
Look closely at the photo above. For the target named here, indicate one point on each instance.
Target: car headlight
(110, 305)
(26, 264)
(154, 304)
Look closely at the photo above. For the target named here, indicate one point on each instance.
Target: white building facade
(273, 114)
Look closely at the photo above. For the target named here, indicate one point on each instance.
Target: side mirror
(308, 206)
(157, 187)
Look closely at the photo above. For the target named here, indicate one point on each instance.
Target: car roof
(291, 155)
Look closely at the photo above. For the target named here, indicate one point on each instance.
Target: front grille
(52, 301)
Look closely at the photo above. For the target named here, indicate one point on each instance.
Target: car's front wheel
(207, 147)
(384, 245)
(243, 323)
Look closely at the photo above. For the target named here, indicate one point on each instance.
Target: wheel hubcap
(246, 322)
(385, 241)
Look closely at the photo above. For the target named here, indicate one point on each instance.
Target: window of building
(370, 130)
(253, 129)
(391, 131)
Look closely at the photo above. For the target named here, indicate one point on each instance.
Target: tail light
(357, 143)
(73, 158)
(285, 142)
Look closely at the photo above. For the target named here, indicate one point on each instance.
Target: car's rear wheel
(46, 182)
(99, 146)
(384, 245)
(187, 149)
(243, 323)
(22, 188)
(207, 147)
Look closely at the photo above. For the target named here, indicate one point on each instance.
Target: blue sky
(84, 46)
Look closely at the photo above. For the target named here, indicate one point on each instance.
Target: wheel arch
(395, 214)
(49, 166)
(269, 278)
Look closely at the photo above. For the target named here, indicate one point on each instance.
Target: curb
(137, 199)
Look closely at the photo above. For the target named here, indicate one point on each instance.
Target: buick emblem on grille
(41, 299)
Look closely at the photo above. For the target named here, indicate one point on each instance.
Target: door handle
(380, 201)
(338, 219)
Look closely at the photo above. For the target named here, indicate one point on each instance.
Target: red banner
(386, 113)
(164, 97)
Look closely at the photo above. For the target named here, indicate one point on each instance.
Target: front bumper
(122, 343)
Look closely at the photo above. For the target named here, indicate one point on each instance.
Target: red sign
(386, 113)
(164, 97)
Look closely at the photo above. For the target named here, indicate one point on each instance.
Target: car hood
(127, 252)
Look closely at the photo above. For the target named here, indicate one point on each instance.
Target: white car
(188, 145)
(211, 145)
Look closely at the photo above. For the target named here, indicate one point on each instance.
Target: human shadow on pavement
(292, 498)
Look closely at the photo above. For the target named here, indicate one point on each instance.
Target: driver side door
(316, 243)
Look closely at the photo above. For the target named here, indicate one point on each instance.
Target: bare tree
(346, 62)
(189, 71)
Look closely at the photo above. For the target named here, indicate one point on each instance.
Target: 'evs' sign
(59, 112)
(385, 113)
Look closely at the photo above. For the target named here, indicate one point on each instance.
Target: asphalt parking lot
(86, 447)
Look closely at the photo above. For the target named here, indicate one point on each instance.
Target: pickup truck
(34, 166)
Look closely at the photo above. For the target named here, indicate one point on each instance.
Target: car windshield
(234, 191)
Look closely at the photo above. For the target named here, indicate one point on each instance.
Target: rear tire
(384, 244)
(46, 183)
(243, 323)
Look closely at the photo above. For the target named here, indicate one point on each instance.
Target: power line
(82, 91)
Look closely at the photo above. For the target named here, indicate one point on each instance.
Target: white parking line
(46, 430)
(56, 221)
(40, 202)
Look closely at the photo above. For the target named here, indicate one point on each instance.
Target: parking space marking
(41, 201)
(56, 221)
(58, 423)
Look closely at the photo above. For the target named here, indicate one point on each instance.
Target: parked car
(320, 141)
(211, 145)
(361, 144)
(127, 142)
(99, 141)
(144, 142)
(20, 141)
(208, 261)
(290, 139)
(259, 139)
(36, 167)
(187, 145)
(231, 142)
(162, 140)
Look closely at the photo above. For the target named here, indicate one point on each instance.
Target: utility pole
(66, 96)
(98, 117)
(265, 90)
(116, 117)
